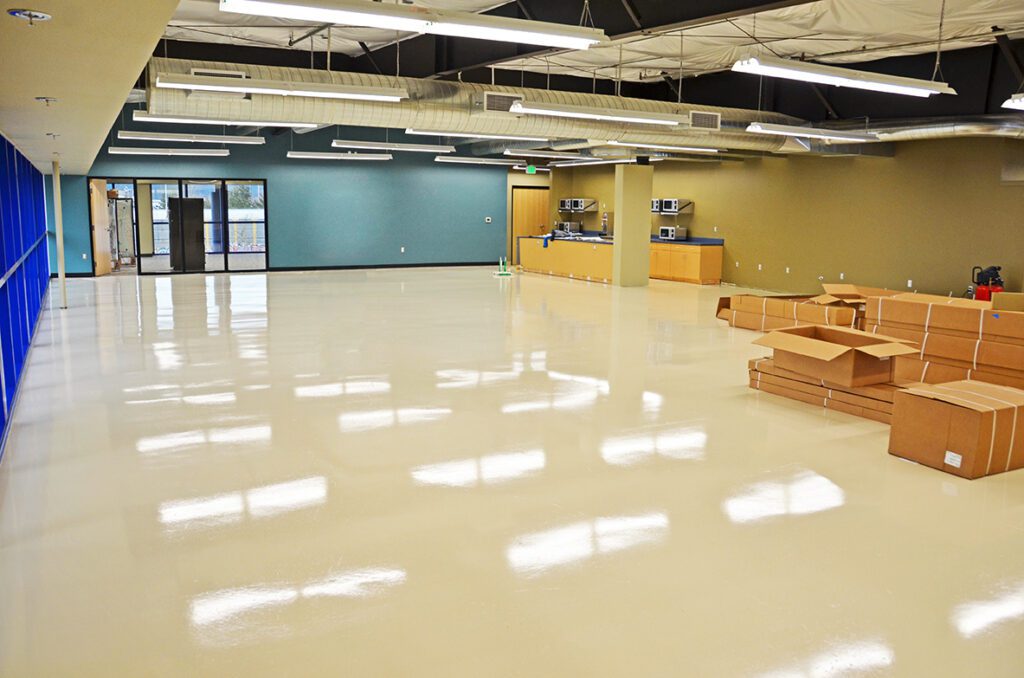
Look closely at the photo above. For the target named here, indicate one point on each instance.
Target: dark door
(188, 248)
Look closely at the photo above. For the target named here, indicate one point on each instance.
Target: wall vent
(218, 73)
(705, 120)
(499, 102)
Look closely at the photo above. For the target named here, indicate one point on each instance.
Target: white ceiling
(833, 31)
(87, 57)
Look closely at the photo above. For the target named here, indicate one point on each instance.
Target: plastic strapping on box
(969, 373)
(924, 371)
(925, 342)
(764, 318)
(928, 320)
(794, 312)
(733, 323)
(992, 443)
(853, 323)
(981, 325)
(830, 394)
(827, 322)
(977, 345)
(1013, 430)
(879, 322)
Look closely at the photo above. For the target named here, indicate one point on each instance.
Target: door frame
(513, 246)
(134, 181)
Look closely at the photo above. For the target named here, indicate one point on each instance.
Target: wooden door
(100, 217)
(529, 215)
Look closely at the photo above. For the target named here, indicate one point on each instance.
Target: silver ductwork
(449, 106)
(1005, 126)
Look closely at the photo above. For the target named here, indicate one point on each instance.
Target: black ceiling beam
(524, 10)
(319, 29)
(1006, 47)
(829, 108)
(634, 15)
(369, 55)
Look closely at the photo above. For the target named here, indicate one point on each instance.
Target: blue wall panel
(334, 213)
(24, 269)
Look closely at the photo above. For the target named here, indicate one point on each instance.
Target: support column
(58, 221)
(631, 254)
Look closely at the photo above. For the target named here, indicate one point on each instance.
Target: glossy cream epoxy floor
(437, 473)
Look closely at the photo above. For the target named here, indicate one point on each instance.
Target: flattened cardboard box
(837, 395)
(908, 368)
(756, 322)
(977, 353)
(977, 318)
(803, 309)
(854, 295)
(896, 329)
(965, 428)
(842, 356)
(883, 392)
(838, 406)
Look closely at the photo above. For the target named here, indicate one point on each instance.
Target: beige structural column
(631, 254)
(58, 223)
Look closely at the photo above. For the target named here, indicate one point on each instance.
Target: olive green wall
(928, 214)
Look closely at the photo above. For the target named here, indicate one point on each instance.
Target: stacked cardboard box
(957, 339)
(764, 314)
(870, 402)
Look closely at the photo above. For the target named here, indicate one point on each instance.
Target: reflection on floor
(439, 473)
(237, 261)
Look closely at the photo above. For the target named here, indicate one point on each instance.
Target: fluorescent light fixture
(284, 88)
(311, 155)
(1015, 102)
(811, 133)
(468, 135)
(476, 161)
(804, 71)
(145, 116)
(587, 113)
(392, 146)
(132, 150)
(587, 163)
(664, 147)
(421, 20)
(128, 135)
(522, 168)
(558, 155)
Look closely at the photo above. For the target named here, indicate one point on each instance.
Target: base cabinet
(700, 264)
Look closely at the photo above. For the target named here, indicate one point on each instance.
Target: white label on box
(953, 459)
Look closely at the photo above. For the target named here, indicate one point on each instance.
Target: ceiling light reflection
(259, 502)
(682, 444)
(351, 422)
(536, 553)
(354, 387)
(488, 470)
(846, 659)
(807, 492)
(973, 618)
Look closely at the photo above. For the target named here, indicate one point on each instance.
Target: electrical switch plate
(759, 267)
(84, 256)
(787, 270)
(910, 283)
(716, 229)
(737, 264)
(403, 249)
(842, 276)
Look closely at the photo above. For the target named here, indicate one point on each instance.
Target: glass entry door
(212, 194)
(152, 199)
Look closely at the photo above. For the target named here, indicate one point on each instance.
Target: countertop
(698, 242)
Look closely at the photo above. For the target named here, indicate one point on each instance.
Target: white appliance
(670, 205)
(565, 205)
(672, 232)
(655, 205)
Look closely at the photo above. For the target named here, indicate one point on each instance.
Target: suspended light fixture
(312, 155)
(469, 135)
(811, 133)
(663, 147)
(392, 146)
(129, 135)
(803, 71)
(284, 88)
(144, 116)
(558, 155)
(421, 20)
(526, 168)
(588, 113)
(476, 161)
(203, 152)
(587, 163)
(1015, 102)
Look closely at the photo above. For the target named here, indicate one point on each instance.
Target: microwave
(576, 204)
(672, 233)
(670, 205)
(565, 205)
(655, 205)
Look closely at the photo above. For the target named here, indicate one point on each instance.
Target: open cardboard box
(966, 428)
(840, 355)
(853, 295)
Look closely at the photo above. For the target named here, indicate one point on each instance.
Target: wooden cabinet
(571, 259)
(700, 264)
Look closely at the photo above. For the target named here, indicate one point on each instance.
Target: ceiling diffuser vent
(495, 102)
(705, 120)
(217, 73)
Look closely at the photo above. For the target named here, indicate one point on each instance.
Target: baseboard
(73, 275)
(449, 264)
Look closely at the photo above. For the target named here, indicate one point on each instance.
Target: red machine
(987, 282)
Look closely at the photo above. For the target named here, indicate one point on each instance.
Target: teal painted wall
(74, 197)
(335, 213)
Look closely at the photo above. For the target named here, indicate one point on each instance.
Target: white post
(58, 220)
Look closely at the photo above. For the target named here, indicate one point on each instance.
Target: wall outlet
(403, 249)
(85, 256)
(842, 276)
(910, 284)
(760, 267)
(737, 264)
(787, 270)
(487, 220)
(716, 229)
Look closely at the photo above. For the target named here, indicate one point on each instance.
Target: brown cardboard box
(820, 402)
(802, 309)
(965, 428)
(883, 392)
(974, 353)
(912, 368)
(756, 322)
(1008, 301)
(839, 355)
(823, 392)
(901, 329)
(854, 295)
